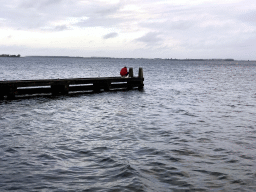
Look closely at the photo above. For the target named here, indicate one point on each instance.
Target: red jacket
(123, 71)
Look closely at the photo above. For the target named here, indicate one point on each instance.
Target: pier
(23, 88)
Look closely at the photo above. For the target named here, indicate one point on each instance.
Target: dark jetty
(24, 88)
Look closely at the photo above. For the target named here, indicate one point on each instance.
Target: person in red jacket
(124, 72)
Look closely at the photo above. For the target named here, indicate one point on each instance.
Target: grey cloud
(50, 2)
(169, 25)
(98, 21)
(110, 35)
(102, 16)
(30, 14)
(150, 38)
(38, 4)
(248, 17)
(186, 18)
(60, 28)
(25, 16)
(109, 9)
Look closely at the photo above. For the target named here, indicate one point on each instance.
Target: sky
(181, 29)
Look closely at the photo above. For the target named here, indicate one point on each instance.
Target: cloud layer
(168, 29)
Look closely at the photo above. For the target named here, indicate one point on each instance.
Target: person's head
(125, 67)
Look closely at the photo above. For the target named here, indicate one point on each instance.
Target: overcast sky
(129, 28)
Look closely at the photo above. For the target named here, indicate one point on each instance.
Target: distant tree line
(7, 55)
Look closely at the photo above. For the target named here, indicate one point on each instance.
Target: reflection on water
(192, 128)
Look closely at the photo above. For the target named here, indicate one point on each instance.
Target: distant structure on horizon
(7, 55)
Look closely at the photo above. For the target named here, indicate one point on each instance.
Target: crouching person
(124, 72)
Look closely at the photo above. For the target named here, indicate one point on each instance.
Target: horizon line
(104, 57)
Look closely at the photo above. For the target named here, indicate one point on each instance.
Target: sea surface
(192, 128)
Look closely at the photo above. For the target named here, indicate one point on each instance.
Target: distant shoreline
(171, 59)
(227, 59)
(7, 55)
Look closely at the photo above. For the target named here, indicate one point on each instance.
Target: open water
(192, 128)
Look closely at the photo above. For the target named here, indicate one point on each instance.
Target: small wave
(186, 152)
(238, 181)
(246, 157)
(150, 152)
(107, 160)
(204, 140)
(125, 172)
(232, 161)
(213, 173)
(85, 153)
(174, 159)
(189, 114)
(46, 156)
(101, 149)
(219, 149)
(10, 150)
